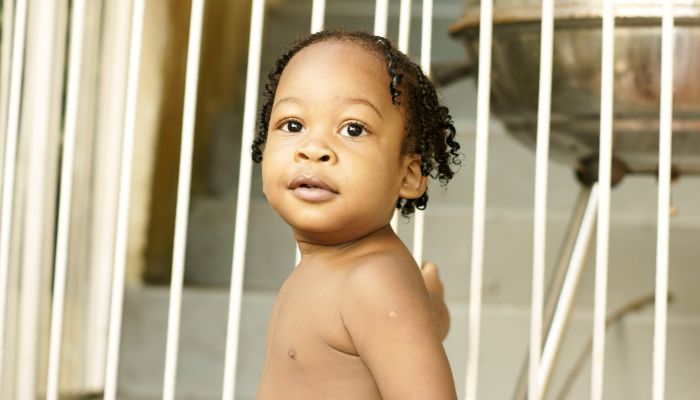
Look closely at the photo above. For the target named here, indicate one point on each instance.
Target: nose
(314, 150)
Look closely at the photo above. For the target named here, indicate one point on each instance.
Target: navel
(292, 354)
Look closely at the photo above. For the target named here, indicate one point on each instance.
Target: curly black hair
(430, 131)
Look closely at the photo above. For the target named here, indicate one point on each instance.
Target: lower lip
(313, 194)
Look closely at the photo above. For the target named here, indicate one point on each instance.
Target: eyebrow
(360, 100)
(286, 100)
(345, 100)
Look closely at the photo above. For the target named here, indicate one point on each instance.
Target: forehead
(341, 66)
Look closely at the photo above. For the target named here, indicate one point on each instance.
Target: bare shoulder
(385, 291)
(387, 276)
(387, 312)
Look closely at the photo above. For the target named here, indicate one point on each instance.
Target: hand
(437, 296)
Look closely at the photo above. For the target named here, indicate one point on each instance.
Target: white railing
(540, 218)
(11, 133)
(605, 165)
(183, 199)
(65, 197)
(22, 382)
(481, 147)
(664, 204)
(243, 202)
(125, 173)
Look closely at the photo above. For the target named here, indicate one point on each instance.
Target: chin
(329, 226)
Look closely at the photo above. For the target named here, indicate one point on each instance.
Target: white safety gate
(49, 86)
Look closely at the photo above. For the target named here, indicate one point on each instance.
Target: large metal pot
(576, 78)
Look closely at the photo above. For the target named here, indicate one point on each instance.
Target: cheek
(377, 176)
(267, 171)
(273, 167)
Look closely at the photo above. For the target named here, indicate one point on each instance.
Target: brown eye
(292, 127)
(353, 129)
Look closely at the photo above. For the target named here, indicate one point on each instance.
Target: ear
(414, 183)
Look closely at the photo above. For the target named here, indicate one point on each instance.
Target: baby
(349, 131)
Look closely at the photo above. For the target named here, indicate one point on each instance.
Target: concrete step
(504, 340)
(202, 343)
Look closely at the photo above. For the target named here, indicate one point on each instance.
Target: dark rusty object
(575, 117)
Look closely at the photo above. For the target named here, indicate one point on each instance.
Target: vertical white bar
(418, 235)
(480, 169)
(39, 134)
(426, 36)
(540, 217)
(65, 199)
(318, 11)
(568, 291)
(404, 25)
(425, 59)
(8, 179)
(395, 221)
(662, 239)
(5, 62)
(183, 199)
(603, 231)
(119, 265)
(404, 35)
(111, 78)
(381, 15)
(243, 201)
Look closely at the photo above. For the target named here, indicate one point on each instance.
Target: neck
(310, 248)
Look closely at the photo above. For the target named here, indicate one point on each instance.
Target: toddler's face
(332, 165)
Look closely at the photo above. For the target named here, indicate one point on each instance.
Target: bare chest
(309, 354)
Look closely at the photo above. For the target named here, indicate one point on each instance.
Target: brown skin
(355, 319)
(437, 296)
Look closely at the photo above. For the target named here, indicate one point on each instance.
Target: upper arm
(388, 314)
